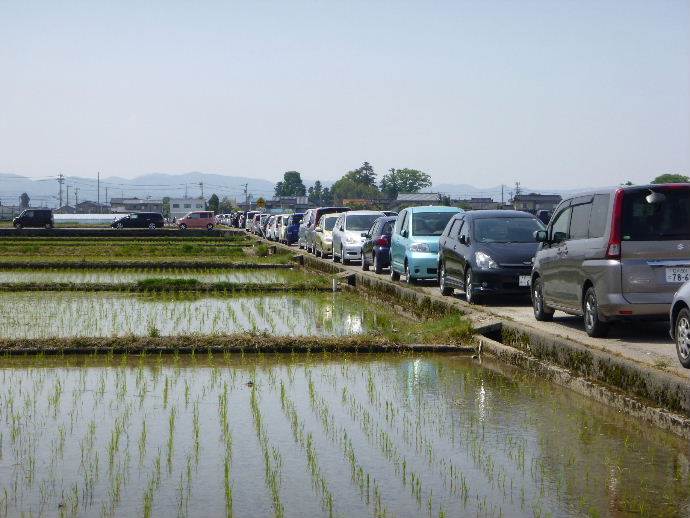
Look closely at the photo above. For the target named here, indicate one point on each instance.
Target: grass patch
(452, 329)
(165, 283)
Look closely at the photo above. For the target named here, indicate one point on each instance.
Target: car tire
(408, 276)
(49, 226)
(318, 253)
(682, 337)
(209, 226)
(593, 325)
(395, 276)
(152, 226)
(183, 227)
(342, 257)
(365, 263)
(542, 312)
(335, 257)
(377, 263)
(442, 284)
(470, 296)
(18, 226)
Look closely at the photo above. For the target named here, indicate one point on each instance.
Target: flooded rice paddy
(65, 314)
(404, 435)
(115, 276)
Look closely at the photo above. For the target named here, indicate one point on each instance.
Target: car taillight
(613, 250)
(382, 241)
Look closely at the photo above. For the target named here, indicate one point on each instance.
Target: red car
(197, 219)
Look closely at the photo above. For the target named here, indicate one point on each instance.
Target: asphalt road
(644, 342)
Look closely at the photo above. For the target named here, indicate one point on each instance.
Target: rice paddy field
(404, 435)
(122, 276)
(216, 433)
(66, 314)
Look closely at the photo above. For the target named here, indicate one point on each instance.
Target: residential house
(416, 199)
(127, 205)
(180, 207)
(534, 202)
(478, 204)
(91, 207)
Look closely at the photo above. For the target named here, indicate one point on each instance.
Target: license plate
(677, 275)
(524, 280)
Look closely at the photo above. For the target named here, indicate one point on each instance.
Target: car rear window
(361, 221)
(430, 223)
(387, 229)
(506, 230)
(668, 218)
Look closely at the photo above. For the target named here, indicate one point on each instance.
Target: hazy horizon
(560, 94)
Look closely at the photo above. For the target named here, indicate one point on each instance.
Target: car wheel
(319, 253)
(377, 263)
(542, 312)
(335, 257)
(682, 334)
(120, 226)
(395, 276)
(209, 226)
(152, 226)
(408, 276)
(470, 296)
(49, 226)
(342, 256)
(183, 227)
(443, 286)
(593, 325)
(18, 226)
(365, 263)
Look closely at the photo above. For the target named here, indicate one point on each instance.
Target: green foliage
(163, 283)
(166, 206)
(213, 203)
(359, 183)
(291, 185)
(262, 250)
(225, 205)
(404, 180)
(319, 195)
(671, 178)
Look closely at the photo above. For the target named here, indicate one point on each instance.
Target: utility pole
(201, 186)
(502, 201)
(76, 198)
(106, 196)
(246, 196)
(67, 203)
(61, 180)
(98, 188)
(185, 190)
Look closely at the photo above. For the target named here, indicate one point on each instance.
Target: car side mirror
(462, 240)
(559, 237)
(341, 228)
(404, 233)
(365, 234)
(541, 236)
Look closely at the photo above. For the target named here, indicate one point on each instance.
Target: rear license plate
(677, 275)
(524, 280)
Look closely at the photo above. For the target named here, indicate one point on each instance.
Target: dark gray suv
(613, 255)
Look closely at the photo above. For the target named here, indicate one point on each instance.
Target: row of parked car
(610, 255)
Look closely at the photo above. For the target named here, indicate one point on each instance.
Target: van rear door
(655, 243)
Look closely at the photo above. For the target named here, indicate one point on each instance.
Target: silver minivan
(614, 254)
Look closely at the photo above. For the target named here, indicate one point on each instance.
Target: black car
(150, 220)
(377, 244)
(488, 252)
(34, 218)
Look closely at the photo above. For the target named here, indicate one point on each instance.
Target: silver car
(680, 324)
(347, 234)
(614, 255)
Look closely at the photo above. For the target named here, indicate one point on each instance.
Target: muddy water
(65, 314)
(320, 435)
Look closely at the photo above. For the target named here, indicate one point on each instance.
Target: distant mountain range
(44, 191)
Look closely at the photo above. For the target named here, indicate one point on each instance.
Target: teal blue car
(414, 243)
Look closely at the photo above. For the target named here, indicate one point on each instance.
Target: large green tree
(346, 188)
(213, 203)
(319, 195)
(404, 180)
(291, 185)
(671, 178)
(226, 205)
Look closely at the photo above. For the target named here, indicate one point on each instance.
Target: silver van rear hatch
(655, 243)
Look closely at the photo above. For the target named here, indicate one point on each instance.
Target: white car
(347, 234)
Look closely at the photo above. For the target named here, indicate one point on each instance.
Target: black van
(150, 220)
(34, 218)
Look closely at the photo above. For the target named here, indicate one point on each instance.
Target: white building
(179, 207)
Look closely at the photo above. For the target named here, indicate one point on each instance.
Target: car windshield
(360, 222)
(668, 218)
(329, 223)
(506, 230)
(430, 223)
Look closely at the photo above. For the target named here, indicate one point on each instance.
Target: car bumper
(423, 265)
(326, 246)
(352, 252)
(501, 281)
(613, 306)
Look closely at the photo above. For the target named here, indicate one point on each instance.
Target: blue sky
(551, 93)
